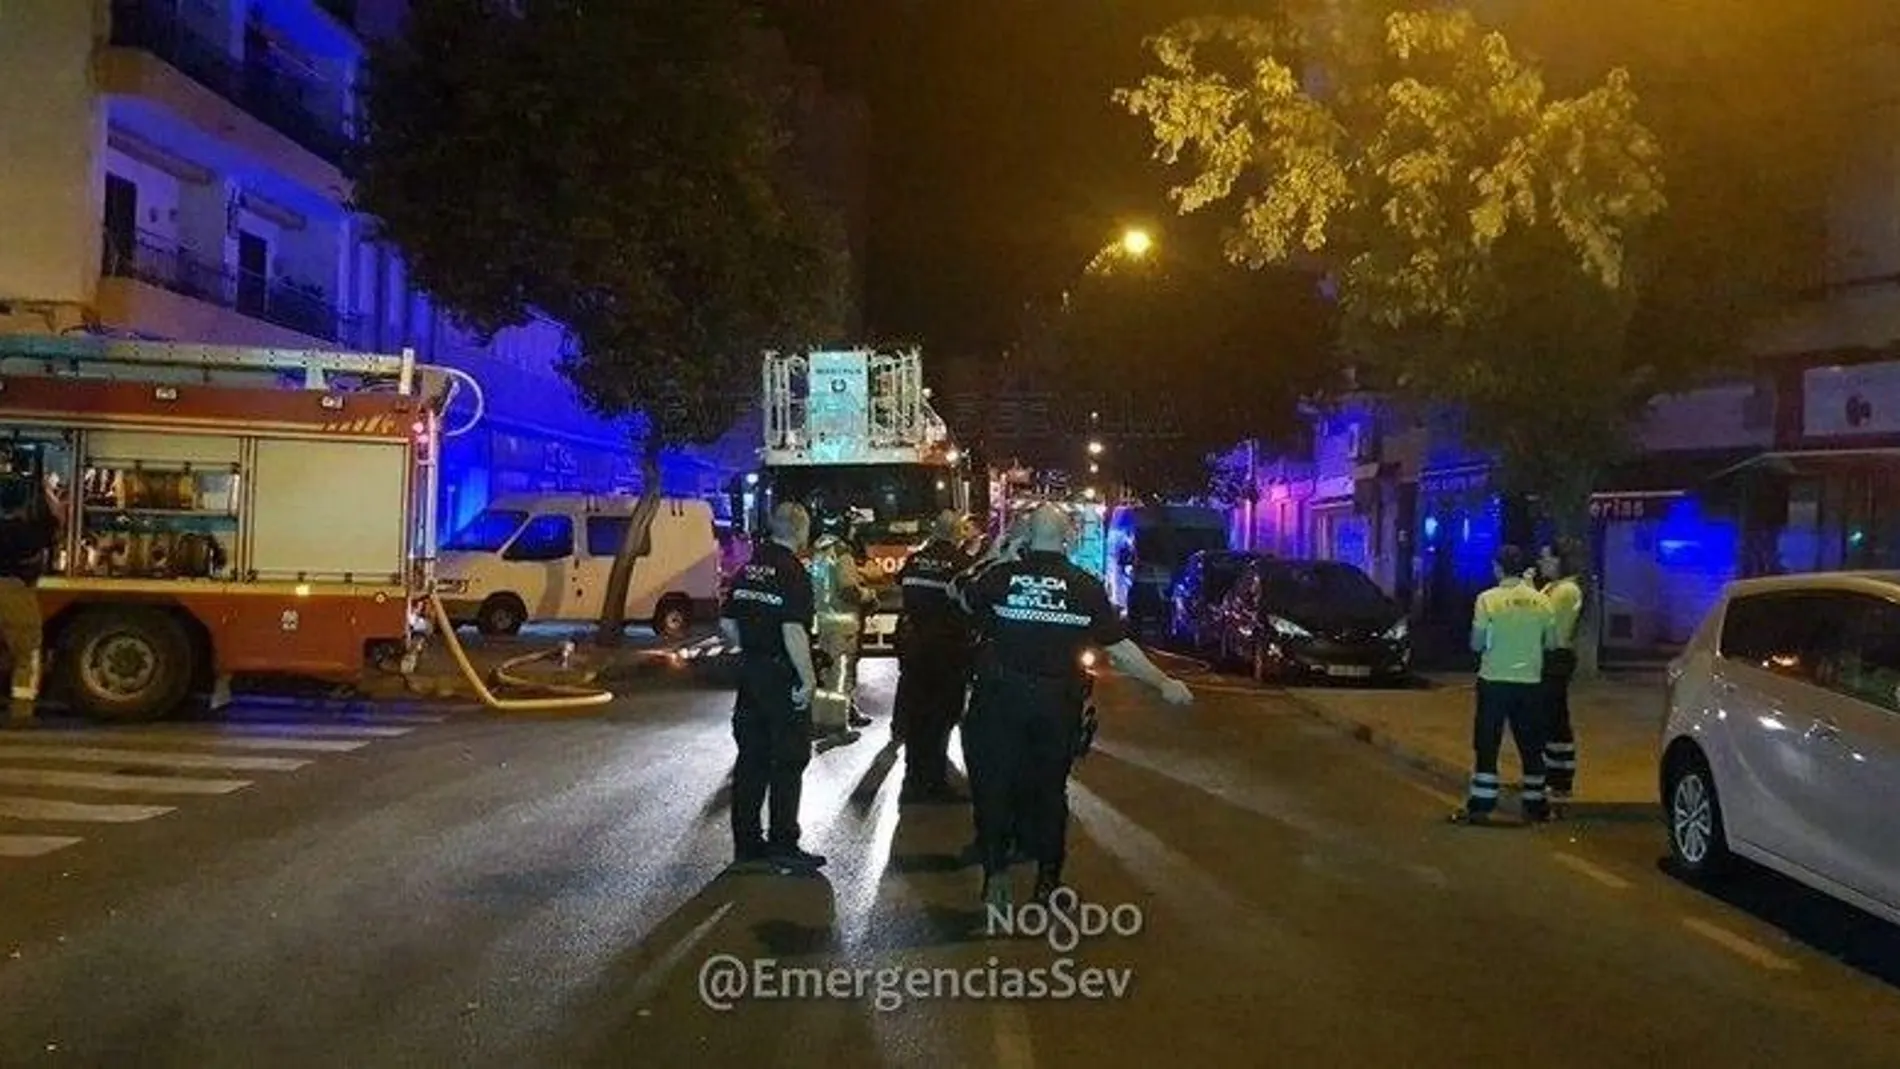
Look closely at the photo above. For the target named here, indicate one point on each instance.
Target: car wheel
(1698, 842)
(501, 614)
(673, 617)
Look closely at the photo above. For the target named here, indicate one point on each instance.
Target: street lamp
(1136, 242)
(1095, 449)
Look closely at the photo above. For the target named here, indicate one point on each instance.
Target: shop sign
(1858, 400)
(1455, 481)
(1631, 508)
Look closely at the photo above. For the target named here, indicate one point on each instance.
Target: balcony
(294, 307)
(286, 102)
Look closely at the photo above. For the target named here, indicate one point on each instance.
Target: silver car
(1782, 738)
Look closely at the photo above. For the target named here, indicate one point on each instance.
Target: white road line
(1013, 1047)
(33, 845)
(340, 731)
(99, 755)
(18, 808)
(186, 738)
(96, 781)
(1601, 875)
(1739, 945)
(1441, 797)
(648, 983)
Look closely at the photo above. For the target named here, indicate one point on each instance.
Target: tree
(1482, 238)
(621, 168)
(1212, 355)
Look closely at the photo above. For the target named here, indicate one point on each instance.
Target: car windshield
(1169, 546)
(487, 532)
(901, 499)
(1329, 585)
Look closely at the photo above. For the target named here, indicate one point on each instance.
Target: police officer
(1036, 617)
(1557, 565)
(768, 616)
(1511, 627)
(933, 662)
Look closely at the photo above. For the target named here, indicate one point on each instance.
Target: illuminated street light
(1136, 242)
(1094, 468)
(1095, 449)
(953, 456)
(1089, 493)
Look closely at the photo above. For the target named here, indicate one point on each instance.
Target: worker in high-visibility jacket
(1511, 627)
(1557, 565)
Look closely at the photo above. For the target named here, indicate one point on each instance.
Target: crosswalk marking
(19, 808)
(284, 716)
(191, 738)
(33, 845)
(273, 728)
(11, 751)
(104, 781)
(61, 776)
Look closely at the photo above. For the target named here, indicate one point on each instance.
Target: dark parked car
(1194, 622)
(1304, 620)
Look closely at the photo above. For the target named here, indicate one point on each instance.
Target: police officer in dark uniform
(933, 662)
(768, 616)
(1035, 618)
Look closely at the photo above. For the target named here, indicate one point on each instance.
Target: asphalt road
(414, 889)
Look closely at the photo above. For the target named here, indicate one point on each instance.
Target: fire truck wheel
(126, 664)
(501, 614)
(673, 617)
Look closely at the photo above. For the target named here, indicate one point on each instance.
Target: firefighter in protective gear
(1035, 618)
(29, 530)
(838, 599)
(933, 662)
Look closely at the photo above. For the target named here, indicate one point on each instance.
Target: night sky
(999, 163)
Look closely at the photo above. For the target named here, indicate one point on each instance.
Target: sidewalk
(1617, 721)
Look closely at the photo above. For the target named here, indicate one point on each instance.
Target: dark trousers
(932, 685)
(1519, 706)
(774, 739)
(1019, 742)
(1560, 742)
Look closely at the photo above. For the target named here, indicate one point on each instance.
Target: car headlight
(1398, 632)
(1286, 628)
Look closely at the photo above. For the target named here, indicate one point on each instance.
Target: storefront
(1829, 499)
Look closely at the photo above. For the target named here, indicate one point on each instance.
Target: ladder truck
(851, 434)
(223, 511)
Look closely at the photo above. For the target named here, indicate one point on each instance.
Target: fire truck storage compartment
(158, 506)
(302, 524)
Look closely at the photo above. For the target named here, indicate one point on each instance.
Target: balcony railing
(286, 102)
(159, 263)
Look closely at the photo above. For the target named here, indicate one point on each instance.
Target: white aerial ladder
(859, 406)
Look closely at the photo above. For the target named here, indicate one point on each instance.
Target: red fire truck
(223, 511)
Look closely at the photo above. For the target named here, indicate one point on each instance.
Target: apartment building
(172, 170)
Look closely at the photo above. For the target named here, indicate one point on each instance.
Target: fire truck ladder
(113, 358)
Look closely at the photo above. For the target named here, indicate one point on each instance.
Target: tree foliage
(1481, 236)
(623, 168)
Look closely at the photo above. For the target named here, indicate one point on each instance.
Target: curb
(1457, 778)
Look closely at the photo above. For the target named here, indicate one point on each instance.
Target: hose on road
(563, 696)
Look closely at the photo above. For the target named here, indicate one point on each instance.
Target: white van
(546, 557)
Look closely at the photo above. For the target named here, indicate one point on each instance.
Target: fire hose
(563, 695)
